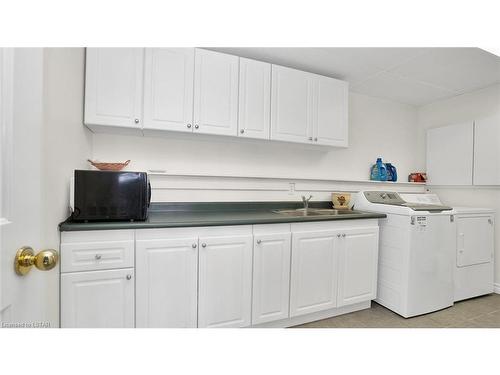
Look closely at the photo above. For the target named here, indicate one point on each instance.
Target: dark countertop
(171, 215)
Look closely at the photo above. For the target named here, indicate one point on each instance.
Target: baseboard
(496, 288)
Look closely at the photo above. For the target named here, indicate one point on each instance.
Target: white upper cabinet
(168, 89)
(225, 281)
(330, 122)
(167, 282)
(358, 265)
(271, 276)
(313, 285)
(291, 105)
(254, 99)
(113, 87)
(450, 154)
(487, 151)
(216, 93)
(308, 108)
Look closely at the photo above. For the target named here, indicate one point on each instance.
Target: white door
(33, 299)
(487, 151)
(168, 89)
(215, 93)
(113, 87)
(291, 105)
(313, 285)
(254, 112)
(271, 277)
(98, 299)
(167, 283)
(225, 281)
(330, 122)
(358, 259)
(450, 154)
(474, 240)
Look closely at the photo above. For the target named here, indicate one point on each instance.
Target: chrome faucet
(306, 201)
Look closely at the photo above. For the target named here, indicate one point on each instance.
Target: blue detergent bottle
(379, 171)
(392, 174)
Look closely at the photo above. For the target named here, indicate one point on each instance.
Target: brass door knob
(25, 259)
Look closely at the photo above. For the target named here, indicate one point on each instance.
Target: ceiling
(415, 76)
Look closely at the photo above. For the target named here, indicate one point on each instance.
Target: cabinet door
(215, 93)
(474, 240)
(254, 99)
(487, 151)
(113, 87)
(166, 284)
(98, 299)
(225, 281)
(449, 155)
(271, 277)
(358, 264)
(168, 88)
(330, 122)
(291, 105)
(313, 285)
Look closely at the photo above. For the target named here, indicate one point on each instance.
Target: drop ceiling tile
(457, 69)
(350, 64)
(401, 89)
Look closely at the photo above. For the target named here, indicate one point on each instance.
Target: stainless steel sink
(315, 212)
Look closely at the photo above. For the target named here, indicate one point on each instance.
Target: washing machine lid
(396, 199)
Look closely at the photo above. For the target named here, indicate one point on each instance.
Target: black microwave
(110, 196)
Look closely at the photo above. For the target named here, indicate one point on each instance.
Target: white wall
(377, 127)
(66, 144)
(467, 107)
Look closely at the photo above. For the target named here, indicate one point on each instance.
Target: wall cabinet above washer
(465, 154)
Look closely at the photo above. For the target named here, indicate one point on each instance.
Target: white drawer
(90, 256)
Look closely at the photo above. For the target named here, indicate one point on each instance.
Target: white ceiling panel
(457, 69)
(410, 75)
(400, 89)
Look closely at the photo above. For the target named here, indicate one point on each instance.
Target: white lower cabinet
(225, 281)
(98, 299)
(167, 283)
(271, 273)
(358, 258)
(227, 276)
(313, 284)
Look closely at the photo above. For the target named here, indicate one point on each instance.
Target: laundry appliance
(416, 253)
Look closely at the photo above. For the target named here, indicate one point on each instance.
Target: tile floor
(480, 312)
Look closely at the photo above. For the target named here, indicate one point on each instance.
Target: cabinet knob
(203, 245)
(490, 221)
(189, 126)
(315, 139)
(310, 138)
(343, 235)
(338, 235)
(98, 256)
(194, 246)
(196, 126)
(129, 277)
(259, 241)
(136, 120)
(242, 131)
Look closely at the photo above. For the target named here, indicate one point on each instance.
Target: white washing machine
(416, 253)
(474, 252)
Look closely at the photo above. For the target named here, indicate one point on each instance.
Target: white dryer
(416, 253)
(474, 252)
